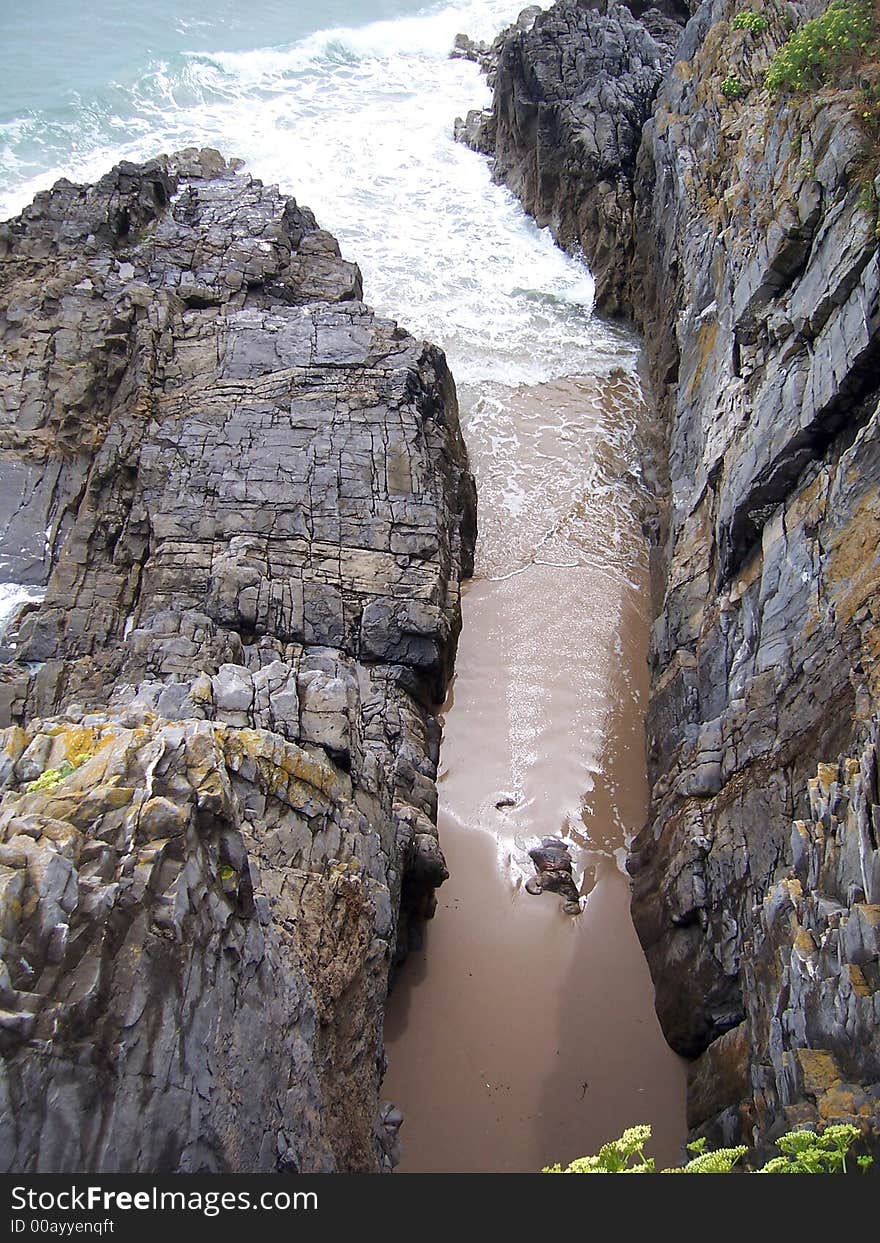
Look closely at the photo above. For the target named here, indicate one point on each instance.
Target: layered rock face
(752, 225)
(247, 501)
(751, 263)
(572, 88)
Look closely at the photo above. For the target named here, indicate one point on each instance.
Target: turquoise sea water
(347, 104)
(55, 53)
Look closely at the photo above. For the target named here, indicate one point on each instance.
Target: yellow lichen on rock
(819, 1069)
(280, 762)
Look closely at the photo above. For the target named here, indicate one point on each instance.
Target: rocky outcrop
(752, 225)
(553, 872)
(486, 54)
(751, 263)
(573, 87)
(807, 1051)
(246, 500)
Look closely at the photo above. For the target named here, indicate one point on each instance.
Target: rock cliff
(749, 257)
(236, 510)
(573, 87)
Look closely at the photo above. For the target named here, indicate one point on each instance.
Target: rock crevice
(747, 253)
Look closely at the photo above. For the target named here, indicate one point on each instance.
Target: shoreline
(511, 1006)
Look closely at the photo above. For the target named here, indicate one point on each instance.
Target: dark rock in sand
(553, 864)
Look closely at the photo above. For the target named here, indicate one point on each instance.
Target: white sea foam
(357, 123)
(13, 597)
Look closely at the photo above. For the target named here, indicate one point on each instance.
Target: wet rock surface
(553, 872)
(751, 264)
(247, 499)
(572, 88)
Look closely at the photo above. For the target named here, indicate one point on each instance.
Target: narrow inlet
(518, 1035)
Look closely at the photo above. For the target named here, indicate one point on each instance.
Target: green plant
(803, 1152)
(732, 88)
(53, 777)
(721, 1161)
(869, 107)
(620, 1156)
(869, 204)
(867, 200)
(846, 28)
(749, 20)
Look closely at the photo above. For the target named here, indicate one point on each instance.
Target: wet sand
(519, 1035)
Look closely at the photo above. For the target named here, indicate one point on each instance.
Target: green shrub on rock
(620, 1156)
(732, 88)
(721, 1161)
(53, 777)
(749, 20)
(845, 29)
(805, 1152)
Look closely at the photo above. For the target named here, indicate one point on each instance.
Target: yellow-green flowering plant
(749, 20)
(802, 1152)
(804, 61)
(52, 777)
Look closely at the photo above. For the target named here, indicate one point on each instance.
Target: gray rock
(573, 86)
(765, 379)
(217, 460)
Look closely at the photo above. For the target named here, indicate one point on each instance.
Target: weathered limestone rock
(808, 1050)
(247, 500)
